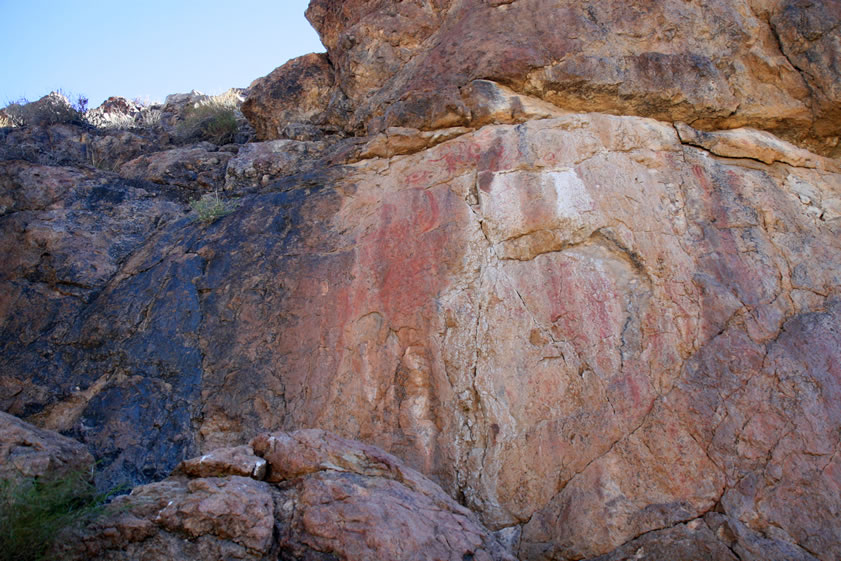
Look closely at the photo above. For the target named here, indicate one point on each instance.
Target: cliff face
(579, 263)
(769, 64)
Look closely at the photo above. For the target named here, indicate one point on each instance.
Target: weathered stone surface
(6, 120)
(65, 234)
(306, 451)
(27, 451)
(355, 501)
(693, 540)
(72, 145)
(204, 518)
(258, 163)
(768, 65)
(754, 144)
(580, 326)
(808, 34)
(335, 503)
(200, 167)
(610, 336)
(239, 460)
(115, 112)
(297, 101)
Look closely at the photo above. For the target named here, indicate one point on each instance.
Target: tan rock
(490, 102)
(27, 451)
(115, 112)
(342, 499)
(258, 163)
(770, 66)
(199, 167)
(307, 451)
(358, 502)
(221, 462)
(396, 141)
(205, 518)
(237, 509)
(693, 540)
(754, 144)
(609, 336)
(297, 100)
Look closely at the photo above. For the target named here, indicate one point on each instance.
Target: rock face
(584, 273)
(27, 451)
(771, 65)
(323, 497)
(299, 101)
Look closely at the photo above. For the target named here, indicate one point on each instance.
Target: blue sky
(145, 49)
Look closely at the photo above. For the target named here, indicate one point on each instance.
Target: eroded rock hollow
(579, 263)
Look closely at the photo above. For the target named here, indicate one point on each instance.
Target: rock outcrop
(578, 264)
(304, 495)
(769, 65)
(27, 451)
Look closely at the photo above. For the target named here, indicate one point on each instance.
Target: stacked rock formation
(579, 263)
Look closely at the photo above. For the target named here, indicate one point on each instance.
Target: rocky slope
(579, 264)
(300, 495)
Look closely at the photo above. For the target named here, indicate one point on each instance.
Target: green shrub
(214, 122)
(210, 207)
(33, 511)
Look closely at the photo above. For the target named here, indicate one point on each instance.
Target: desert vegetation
(212, 121)
(51, 109)
(211, 207)
(34, 512)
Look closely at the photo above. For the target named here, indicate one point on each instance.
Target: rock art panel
(592, 330)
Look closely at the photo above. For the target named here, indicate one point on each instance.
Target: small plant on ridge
(210, 207)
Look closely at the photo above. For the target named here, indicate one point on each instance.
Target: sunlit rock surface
(579, 265)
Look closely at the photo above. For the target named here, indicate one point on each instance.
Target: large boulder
(323, 498)
(769, 65)
(27, 451)
(298, 101)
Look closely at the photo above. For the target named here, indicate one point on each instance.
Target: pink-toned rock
(771, 66)
(334, 497)
(357, 502)
(221, 462)
(27, 451)
(307, 451)
(568, 319)
(694, 540)
(609, 336)
(237, 509)
(205, 518)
